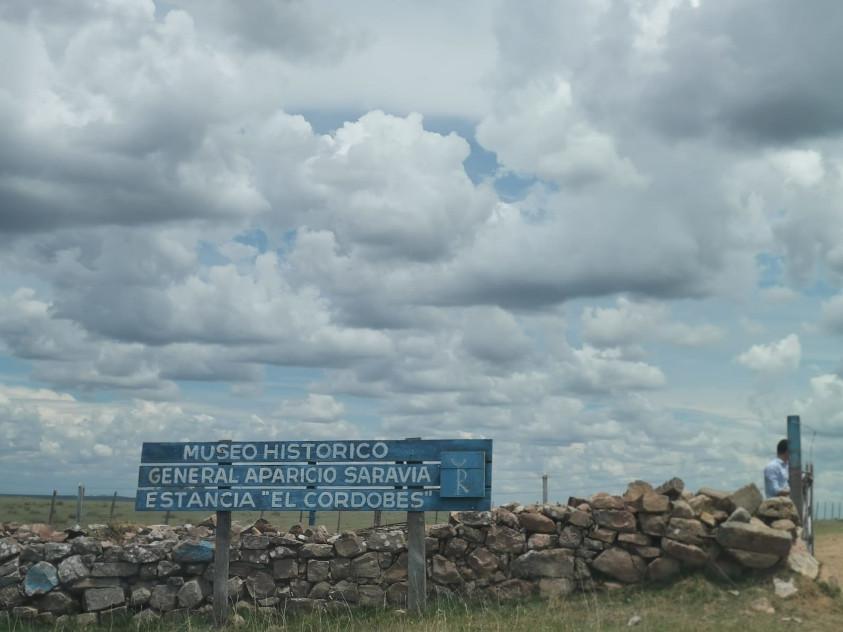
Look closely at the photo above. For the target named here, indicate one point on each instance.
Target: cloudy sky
(606, 234)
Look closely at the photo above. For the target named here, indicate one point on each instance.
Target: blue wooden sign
(407, 475)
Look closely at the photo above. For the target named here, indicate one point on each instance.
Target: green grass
(27, 509)
(827, 527)
(693, 604)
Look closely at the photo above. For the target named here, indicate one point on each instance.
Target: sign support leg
(221, 558)
(416, 564)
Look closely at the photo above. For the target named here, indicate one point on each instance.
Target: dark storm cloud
(761, 71)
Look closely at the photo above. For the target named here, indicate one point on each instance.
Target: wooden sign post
(412, 475)
(222, 553)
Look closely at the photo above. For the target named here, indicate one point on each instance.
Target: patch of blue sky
(256, 237)
(209, 255)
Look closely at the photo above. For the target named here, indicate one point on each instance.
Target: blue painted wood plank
(463, 460)
(322, 476)
(463, 483)
(304, 451)
(259, 499)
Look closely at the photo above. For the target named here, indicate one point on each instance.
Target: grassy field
(690, 605)
(98, 511)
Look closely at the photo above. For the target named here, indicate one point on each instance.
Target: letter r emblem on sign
(462, 475)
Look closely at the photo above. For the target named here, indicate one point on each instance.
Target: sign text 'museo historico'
(393, 475)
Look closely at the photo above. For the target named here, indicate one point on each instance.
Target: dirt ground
(829, 551)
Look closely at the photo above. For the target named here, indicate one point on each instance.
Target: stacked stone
(647, 534)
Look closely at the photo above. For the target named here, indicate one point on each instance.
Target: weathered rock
(506, 518)
(166, 568)
(542, 541)
(57, 602)
(11, 596)
(640, 539)
(482, 562)
(254, 541)
(371, 596)
(318, 570)
(316, 551)
(366, 566)
(10, 571)
(548, 563)
(510, 590)
(801, 561)
(755, 538)
(636, 490)
(619, 564)
(616, 520)
(455, 548)
(751, 559)
(556, 587)
(570, 537)
(581, 519)
(102, 598)
(396, 594)
(163, 598)
(55, 551)
(441, 531)
(681, 509)
(655, 503)
(647, 552)
(345, 591)
(689, 554)
(114, 569)
(536, 522)
(502, 539)
(653, 524)
(389, 541)
(662, 569)
(260, 585)
(672, 488)
(784, 524)
(444, 571)
(349, 544)
(8, 548)
(686, 530)
(779, 508)
(285, 568)
(747, 497)
(559, 513)
(40, 579)
(139, 596)
(605, 501)
(739, 515)
(472, 518)
(191, 594)
(194, 551)
(784, 589)
(86, 546)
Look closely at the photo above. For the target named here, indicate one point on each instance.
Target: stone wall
(509, 553)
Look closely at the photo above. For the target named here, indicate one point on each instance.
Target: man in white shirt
(776, 475)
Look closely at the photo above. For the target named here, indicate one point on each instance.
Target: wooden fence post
(113, 504)
(544, 489)
(52, 507)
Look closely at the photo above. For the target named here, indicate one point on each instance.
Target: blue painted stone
(40, 579)
(202, 551)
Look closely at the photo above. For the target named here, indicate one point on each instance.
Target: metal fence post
(794, 446)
